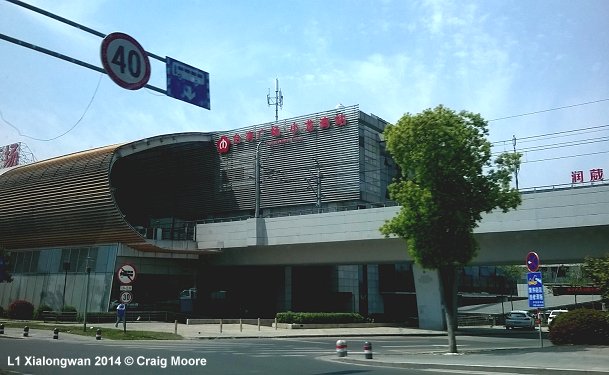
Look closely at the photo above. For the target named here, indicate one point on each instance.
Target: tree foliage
(447, 181)
(443, 188)
(597, 269)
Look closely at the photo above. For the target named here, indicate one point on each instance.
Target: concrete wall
(562, 225)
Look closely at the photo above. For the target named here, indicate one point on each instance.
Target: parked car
(519, 319)
(554, 314)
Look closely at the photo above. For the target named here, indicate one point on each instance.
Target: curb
(456, 367)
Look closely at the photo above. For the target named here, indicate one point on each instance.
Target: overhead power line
(549, 110)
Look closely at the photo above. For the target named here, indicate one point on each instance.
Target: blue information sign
(187, 83)
(535, 288)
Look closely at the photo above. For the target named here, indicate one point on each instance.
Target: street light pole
(88, 271)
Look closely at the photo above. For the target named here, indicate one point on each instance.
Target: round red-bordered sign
(223, 144)
(126, 274)
(125, 61)
(532, 261)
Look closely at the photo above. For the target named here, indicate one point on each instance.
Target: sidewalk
(533, 360)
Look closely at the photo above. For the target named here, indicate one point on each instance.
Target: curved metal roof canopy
(103, 195)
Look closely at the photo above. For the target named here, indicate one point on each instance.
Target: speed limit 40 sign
(125, 61)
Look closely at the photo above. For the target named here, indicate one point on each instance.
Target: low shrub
(1, 311)
(68, 309)
(580, 327)
(21, 309)
(40, 310)
(318, 318)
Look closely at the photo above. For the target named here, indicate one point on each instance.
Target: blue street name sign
(187, 83)
(535, 288)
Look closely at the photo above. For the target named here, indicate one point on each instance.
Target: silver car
(519, 319)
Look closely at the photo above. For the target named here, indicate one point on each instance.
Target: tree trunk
(448, 286)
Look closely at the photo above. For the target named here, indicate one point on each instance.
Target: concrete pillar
(257, 234)
(429, 300)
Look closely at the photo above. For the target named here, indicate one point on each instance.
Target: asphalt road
(225, 356)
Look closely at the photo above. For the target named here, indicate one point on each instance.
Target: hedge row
(582, 326)
(318, 318)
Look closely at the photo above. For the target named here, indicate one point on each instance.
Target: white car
(554, 314)
(519, 319)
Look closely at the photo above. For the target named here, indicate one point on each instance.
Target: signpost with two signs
(535, 288)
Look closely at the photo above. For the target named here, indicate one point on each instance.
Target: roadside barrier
(367, 350)
(341, 348)
(26, 331)
(98, 334)
(55, 334)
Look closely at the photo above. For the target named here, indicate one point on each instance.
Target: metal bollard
(367, 350)
(1, 329)
(55, 334)
(26, 331)
(98, 334)
(341, 348)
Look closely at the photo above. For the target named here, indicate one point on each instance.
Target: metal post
(88, 271)
(66, 268)
(257, 179)
(175, 328)
(240, 325)
(258, 324)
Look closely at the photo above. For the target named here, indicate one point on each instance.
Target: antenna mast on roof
(277, 101)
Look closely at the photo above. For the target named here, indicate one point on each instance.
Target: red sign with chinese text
(324, 123)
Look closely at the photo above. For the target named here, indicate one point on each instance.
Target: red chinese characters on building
(249, 136)
(10, 156)
(275, 131)
(324, 123)
(309, 125)
(577, 176)
(596, 174)
(294, 129)
(340, 119)
(236, 139)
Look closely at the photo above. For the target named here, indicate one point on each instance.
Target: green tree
(443, 189)
(597, 269)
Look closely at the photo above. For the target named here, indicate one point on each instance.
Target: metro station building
(140, 204)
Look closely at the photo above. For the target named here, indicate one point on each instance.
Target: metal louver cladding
(70, 200)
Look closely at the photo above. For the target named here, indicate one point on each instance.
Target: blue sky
(496, 58)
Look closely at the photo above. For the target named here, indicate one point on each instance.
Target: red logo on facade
(223, 144)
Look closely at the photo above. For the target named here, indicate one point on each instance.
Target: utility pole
(518, 167)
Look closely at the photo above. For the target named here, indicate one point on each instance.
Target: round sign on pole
(126, 274)
(126, 297)
(532, 261)
(125, 61)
